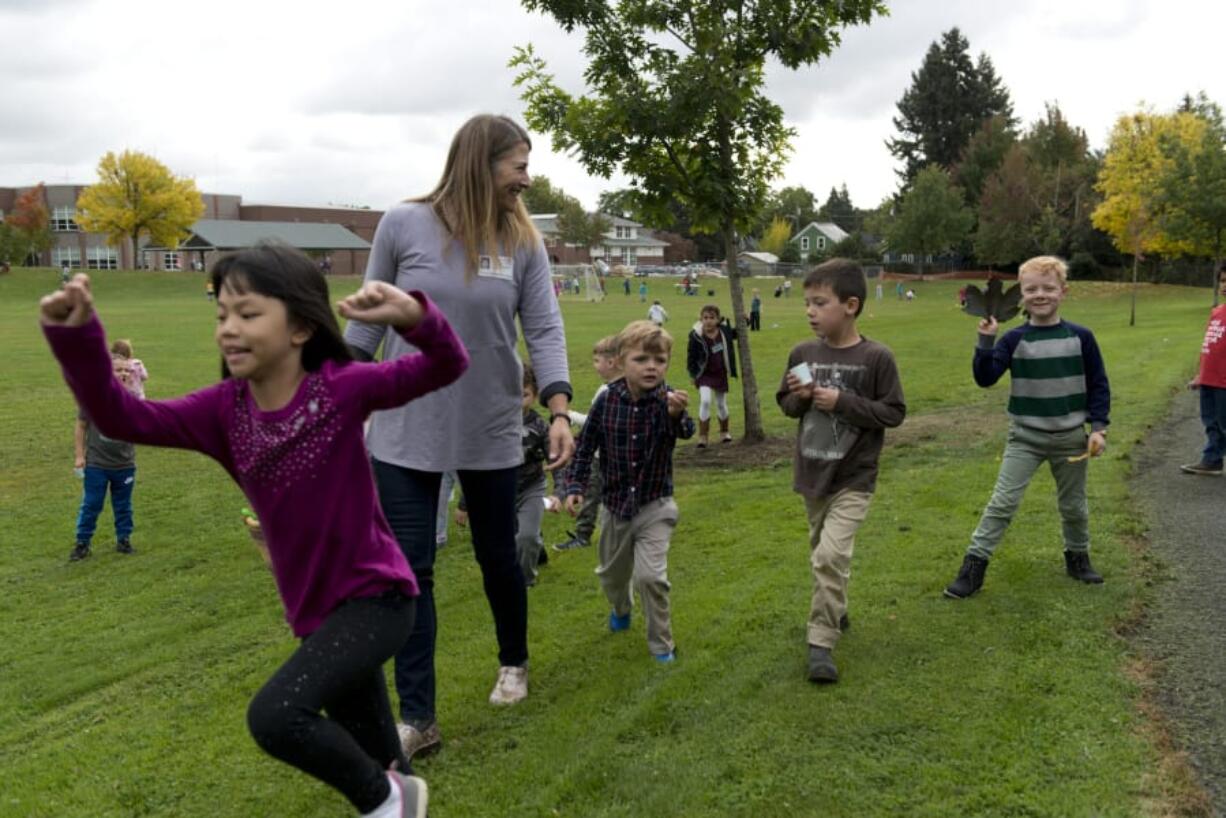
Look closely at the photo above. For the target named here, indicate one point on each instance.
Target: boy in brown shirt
(845, 390)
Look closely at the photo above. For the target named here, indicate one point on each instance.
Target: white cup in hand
(802, 373)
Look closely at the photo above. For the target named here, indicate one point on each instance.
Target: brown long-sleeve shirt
(839, 450)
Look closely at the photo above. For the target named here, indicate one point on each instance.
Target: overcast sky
(355, 102)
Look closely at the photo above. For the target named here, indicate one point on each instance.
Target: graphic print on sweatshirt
(823, 435)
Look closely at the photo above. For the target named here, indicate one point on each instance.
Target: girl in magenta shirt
(286, 424)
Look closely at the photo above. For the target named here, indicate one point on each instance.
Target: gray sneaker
(414, 795)
(419, 741)
(1202, 468)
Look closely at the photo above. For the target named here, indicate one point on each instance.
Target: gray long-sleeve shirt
(476, 422)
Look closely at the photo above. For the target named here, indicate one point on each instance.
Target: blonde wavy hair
(647, 335)
(466, 200)
(1045, 265)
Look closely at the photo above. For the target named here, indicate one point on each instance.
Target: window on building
(619, 232)
(62, 220)
(170, 261)
(804, 243)
(65, 255)
(821, 242)
(101, 258)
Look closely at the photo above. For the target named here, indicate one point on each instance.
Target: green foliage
(790, 254)
(949, 99)
(932, 218)
(851, 247)
(839, 209)
(795, 204)
(676, 101)
(1192, 191)
(141, 668)
(542, 197)
(983, 155)
(1084, 267)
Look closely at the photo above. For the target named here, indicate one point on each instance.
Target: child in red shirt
(1211, 381)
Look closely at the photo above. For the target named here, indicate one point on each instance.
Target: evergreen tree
(839, 209)
(950, 97)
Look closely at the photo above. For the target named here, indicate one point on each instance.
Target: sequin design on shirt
(278, 453)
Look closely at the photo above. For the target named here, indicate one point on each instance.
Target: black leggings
(339, 669)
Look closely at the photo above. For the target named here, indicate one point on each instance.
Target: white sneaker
(511, 687)
(414, 795)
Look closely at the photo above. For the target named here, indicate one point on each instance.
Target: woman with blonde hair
(472, 248)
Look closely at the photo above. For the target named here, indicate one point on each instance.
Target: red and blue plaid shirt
(635, 439)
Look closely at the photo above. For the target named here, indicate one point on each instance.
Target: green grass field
(124, 681)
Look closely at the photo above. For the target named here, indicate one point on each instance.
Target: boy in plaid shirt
(634, 426)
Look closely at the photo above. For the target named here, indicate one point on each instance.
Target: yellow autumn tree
(1134, 209)
(137, 196)
(775, 237)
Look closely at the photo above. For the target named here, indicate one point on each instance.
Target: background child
(531, 497)
(104, 464)
(847, 393)
(710, 360)
(130, 371)
(604, 361)
(639, 514)
(286, 424)
(1211, 381)
(755, 311)
(1058, 384)
(657, 314)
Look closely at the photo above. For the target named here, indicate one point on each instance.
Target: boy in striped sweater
(1058, 385)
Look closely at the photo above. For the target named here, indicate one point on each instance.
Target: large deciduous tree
(675, 101)
(137, 196)
(1194, 186)
(1133, 210)
(931, 217)
(31, 224)
(949, 99)
(776, 236)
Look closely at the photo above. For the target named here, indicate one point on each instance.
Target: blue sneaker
(665, 658)
(618, 623)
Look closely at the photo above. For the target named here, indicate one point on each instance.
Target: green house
(817, 237)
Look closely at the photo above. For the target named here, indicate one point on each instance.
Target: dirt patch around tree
(949, 425)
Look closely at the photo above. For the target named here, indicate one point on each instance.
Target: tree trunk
(754, 432)
(1132, 316)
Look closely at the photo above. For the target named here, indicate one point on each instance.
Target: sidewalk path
(1185, 629)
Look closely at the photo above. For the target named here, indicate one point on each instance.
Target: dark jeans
(121, 483)
(755, 321)
(1213, 415)
(339, 669)
(410, 501)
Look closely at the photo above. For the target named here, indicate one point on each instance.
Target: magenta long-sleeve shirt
(304, 467)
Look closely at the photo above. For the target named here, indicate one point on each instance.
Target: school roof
(224, 234)
(765, 258)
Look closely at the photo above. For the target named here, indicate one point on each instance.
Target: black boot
(822, 669)
(1077, 563)
(970, 577)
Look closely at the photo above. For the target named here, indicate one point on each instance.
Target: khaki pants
(637, 549)
(833, 522)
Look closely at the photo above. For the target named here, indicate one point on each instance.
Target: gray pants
(529, 511)
(1025, 451)
(637, 550)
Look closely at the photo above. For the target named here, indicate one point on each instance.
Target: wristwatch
(557, 415)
